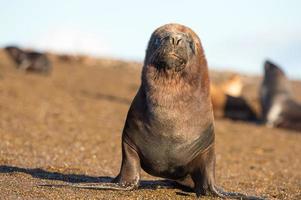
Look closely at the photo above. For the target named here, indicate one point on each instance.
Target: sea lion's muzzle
(173, 52)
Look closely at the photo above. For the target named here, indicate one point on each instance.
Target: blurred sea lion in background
(238, 108)
(227, 100)
(233, 86)
(30, 61)
(278, 107)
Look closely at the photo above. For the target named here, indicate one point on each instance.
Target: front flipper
(129, 175)
(128, 178)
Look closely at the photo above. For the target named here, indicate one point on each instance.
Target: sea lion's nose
(176, 39)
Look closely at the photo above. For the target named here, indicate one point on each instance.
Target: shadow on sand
(80, 178)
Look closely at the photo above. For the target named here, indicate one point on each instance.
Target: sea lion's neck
(276, 90)
(172, 100)
(170, 89)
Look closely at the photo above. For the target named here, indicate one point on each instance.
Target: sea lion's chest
(167, 142)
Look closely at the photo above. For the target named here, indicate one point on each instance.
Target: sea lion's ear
(197, 43)
(192, 47)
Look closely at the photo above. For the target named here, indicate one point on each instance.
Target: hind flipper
(203, 177)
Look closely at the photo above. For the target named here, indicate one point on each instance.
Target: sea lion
(227, 101)
(278, 107)
(238, 108)
(233, 86)
(169, 129)
(31, 61)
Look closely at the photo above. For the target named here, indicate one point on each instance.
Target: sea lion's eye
(157, 42)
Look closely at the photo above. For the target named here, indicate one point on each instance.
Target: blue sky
(236, 34)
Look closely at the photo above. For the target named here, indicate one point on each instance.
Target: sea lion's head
(274, 76)
(275, 83)
(173, 47)
(272, 70)
(175, 65)
(14, 51)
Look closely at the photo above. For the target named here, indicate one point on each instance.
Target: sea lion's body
(170, 122)
(238, 108)
(279, 109)
(31, 61)
(169, 129)
(168, 138)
